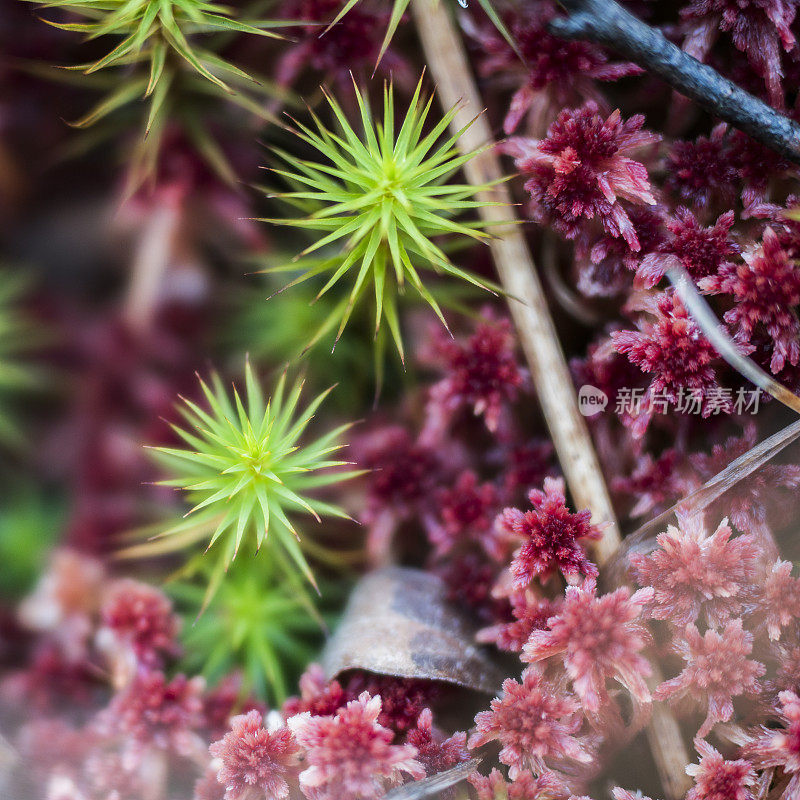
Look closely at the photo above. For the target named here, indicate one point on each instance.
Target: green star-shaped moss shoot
(248, 473)
(152, 30)
(261, 621)
(156, 55)
(385, 196)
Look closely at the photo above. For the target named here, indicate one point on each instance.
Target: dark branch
(607, 23)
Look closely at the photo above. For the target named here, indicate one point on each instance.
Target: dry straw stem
(641, 540)
(450, 68)
(700, 310)
(151, 261)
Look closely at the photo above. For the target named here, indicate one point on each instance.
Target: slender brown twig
(607, 23)
(151, 260)
(451, 71)
(445, 55)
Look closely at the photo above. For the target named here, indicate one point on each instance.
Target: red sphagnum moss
(536, 723)
(349, 754)
(597, 638)
(256, 764)
(551, 536)
(582, 171)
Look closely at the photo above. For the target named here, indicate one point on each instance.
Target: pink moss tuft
(535, 722)
(350, 754)
(717, 670)
(255, 764)
(581, 171)
(550, 536)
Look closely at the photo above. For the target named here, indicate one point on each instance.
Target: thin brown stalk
(450, 68)
(702, 314)
(433, 786)
(151, 260)
(743, 466)
(563, 295)
(642, 539)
